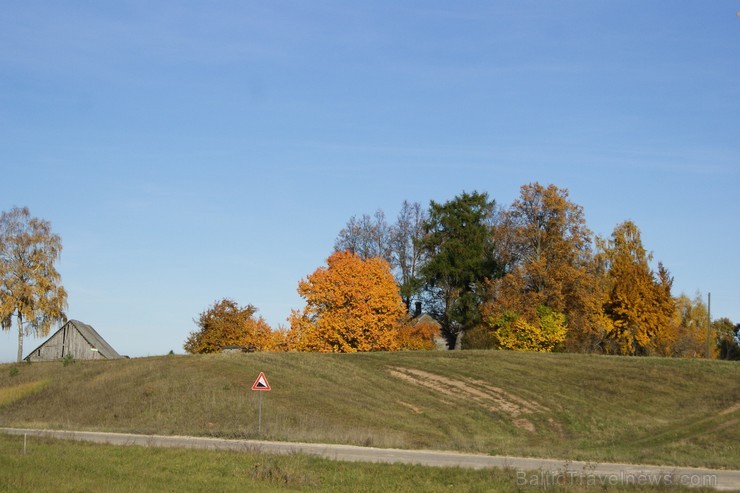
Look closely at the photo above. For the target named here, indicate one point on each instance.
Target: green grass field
(566, 406)
(60, 467)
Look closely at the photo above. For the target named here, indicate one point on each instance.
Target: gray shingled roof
(91, 336)
(95, 339)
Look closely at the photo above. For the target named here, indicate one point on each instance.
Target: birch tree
(31, 293)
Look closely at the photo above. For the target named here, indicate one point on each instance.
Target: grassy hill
(649, 410)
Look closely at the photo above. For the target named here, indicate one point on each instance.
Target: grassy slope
(669, 411)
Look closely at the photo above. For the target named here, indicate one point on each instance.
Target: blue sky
(190, 151)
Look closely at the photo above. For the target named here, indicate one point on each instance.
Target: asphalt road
(537, 472)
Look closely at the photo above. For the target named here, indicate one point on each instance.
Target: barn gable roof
(95, 339)
(425, 318)
(91, 336)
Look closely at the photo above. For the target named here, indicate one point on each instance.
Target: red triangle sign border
(261, 383)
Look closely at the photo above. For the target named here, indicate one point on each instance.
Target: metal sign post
(259, 416)
(260, 385)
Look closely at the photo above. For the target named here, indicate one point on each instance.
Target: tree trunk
(458, 340)
(20, 338)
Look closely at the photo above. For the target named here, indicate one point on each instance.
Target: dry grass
(9, 395)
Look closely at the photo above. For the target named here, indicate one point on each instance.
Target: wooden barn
(77, 339)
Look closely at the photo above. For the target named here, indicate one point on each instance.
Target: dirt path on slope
(478, 391)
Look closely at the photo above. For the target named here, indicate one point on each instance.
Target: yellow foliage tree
(691, 320)
(351, 305)
(511, 331)
(30, 286)
(639, 304)
(227, 324)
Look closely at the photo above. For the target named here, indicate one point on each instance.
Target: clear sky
(190, 151)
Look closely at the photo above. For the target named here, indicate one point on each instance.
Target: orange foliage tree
(420, 334)
(227, 324)
(351, 305)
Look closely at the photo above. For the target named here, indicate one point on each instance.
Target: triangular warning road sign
(261, 383)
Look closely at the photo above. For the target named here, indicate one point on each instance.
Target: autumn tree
(351, 305)
(459, 258)
(225, 323)
(639, 303)
(690, 322)
(397, 243)
(542, 333)
(728, 339)
(543, 241)
(419, 334)
(30, 286)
